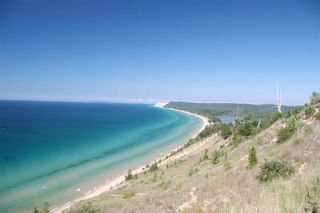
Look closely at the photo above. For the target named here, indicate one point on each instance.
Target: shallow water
(57, 151)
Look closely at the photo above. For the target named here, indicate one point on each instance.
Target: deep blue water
(48, 150)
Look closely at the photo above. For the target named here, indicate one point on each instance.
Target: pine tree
(253, 160)
(205, 157)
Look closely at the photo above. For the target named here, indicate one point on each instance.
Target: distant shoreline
(117, 181)
(204, 119)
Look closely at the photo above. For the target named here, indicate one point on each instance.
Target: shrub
(153, 167)
(128, 194)
(129, 176)
(236, 139)
(165, 184)
(209, 130)
(274, 169)
(275, 116)
(312, 197)
(285, 133)
(315, 98)
(227, 165)
(85, 207)
(294, 112)
(253, 160)
(226, 131)
(215, 157)
(205, 157)
(317, 116)
(309, 110)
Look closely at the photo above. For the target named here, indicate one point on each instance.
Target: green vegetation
(274, 169)
(315, 98)
(128, 194)
(192, 171)
(285, 133)
(153, 167)
(294, 113)
(305, 197)
(207, 131)
(205, 157)
(309, 110)
(312, 197)
(276, 116)
(130, 176)
(252, 160)
(317, 116)
(215, 157)
(213, 110)
(227, 164)
(85, 207)
(245, 128)
(165, 184)
(46, 206)
(226, 130)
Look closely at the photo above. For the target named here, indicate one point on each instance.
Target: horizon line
(133, 101)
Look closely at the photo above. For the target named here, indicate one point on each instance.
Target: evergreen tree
(253, 160)
(205, 157)
(129, 176)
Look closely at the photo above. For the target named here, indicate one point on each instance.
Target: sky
(198, 51)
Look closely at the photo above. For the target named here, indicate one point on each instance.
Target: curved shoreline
(118, 181)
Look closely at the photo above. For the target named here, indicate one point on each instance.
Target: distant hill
(212, 110)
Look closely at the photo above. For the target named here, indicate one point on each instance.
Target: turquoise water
(49, 150)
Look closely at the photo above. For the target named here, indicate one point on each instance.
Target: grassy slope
(212, 188)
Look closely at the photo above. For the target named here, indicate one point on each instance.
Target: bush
(129, 176)
(153, 167)
(317, 116)
(128, 194)
(315, 98)
(274, 117)
(294, 112)
(253, 160)
(285, 133)
(165, 184)
(309, 110)
(312, 197)
(209, 130)
(226, 131)
(191, 172)
(85, 207)
(227, 165)
(274, 169)
(205, 157)
(215, 157)
(236, 139)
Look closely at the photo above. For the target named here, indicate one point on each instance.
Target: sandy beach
(120, 180)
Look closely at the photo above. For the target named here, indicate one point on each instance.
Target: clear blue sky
(209, 51)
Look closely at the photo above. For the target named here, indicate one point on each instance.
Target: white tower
(279, 97)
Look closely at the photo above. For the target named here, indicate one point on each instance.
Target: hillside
(212, 174)
(212, 110)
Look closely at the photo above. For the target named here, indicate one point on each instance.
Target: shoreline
(118, 181)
